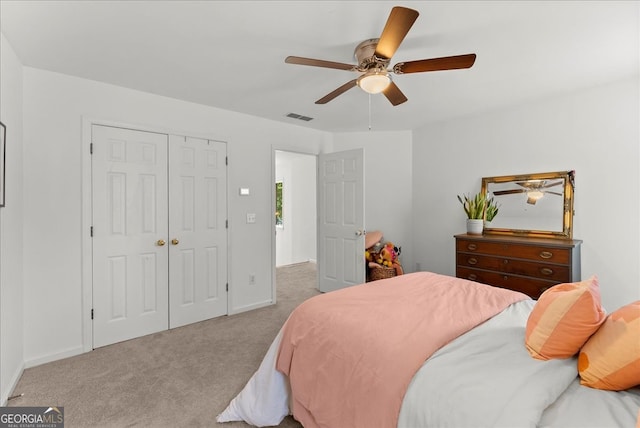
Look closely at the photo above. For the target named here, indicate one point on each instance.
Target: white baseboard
(71, 352)
(12, 386)
(246, 308)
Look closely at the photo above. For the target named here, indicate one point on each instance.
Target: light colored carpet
(179, 377)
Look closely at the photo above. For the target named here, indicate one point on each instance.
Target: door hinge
(92, 231)
(226, 224)
(227, 286)
(91, 313)
(91, 148)
(226, 160)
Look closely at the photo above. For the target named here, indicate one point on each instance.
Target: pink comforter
(351, 354)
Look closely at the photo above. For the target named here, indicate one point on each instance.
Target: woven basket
(381, 272)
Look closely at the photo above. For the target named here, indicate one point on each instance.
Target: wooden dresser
(528, 265)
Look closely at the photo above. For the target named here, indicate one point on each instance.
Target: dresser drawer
(559, 273)
(530, 286)
(530, 252)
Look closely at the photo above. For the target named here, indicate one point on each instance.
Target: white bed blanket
(580, 406)
(486, 378)
(264, 401)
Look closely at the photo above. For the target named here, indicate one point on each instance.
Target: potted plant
(491, 210)
(478, 208)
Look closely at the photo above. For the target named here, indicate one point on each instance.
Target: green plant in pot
(491, 210)
(478, 209)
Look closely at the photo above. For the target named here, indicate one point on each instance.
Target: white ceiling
(230, 54)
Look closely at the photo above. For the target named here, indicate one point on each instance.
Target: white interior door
(130, 226)
(197, 230)
(341, 220)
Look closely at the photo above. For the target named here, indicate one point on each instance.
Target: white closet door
(197, 230)
(130, 225)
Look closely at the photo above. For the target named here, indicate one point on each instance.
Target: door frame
(276, 148)
(87, 215)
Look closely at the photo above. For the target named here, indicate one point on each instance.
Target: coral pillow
(611, 357)
(563, 318)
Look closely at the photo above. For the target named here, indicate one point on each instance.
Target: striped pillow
(562, 320)
(611, 357)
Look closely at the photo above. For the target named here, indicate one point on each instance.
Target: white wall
(594, 132)
(388, 184)
(11, 224)
(296, 240)
(54, 107)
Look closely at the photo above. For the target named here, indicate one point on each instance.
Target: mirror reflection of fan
(535, 189)
(374, 55)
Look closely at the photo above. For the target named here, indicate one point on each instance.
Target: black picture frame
(3, 152)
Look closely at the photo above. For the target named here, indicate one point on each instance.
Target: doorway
(295, 213)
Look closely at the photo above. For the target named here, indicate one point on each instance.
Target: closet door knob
(160, 242)
(174, 241)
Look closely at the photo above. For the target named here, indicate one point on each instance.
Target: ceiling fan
(535, 189)
(374, 55)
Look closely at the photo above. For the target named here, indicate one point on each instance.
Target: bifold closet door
(197, 230)
(130, 224)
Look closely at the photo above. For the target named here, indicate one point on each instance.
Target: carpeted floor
(180, 377)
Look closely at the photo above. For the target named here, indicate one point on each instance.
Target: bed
(420, 350)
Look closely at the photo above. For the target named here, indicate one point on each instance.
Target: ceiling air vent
(299, 117)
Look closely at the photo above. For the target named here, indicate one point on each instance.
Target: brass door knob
(174, 241)
(160, 242)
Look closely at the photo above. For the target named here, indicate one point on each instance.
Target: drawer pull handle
(505, 277)
(546, 271)
(472, 247)
(472, 261)
(546, 254)
(505, 261)
(472, 276)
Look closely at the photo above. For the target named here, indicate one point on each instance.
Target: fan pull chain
(369, 112)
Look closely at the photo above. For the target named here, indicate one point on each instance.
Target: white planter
(474, 227)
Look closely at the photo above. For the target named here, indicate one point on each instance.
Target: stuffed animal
(379, 253)
(387, 255)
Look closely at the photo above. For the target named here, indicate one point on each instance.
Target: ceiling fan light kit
(373, 57)
(533, 196)
(374, 81)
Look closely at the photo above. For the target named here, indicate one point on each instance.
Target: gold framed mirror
(538, 205)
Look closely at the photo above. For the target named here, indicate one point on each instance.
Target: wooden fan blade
(398, 25)
(509, 192)
(341, 90)
(394, 94)
(435, 64)
(318, 63)
(557, 183)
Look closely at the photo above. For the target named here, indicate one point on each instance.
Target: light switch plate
(251, 217)
(244, 191)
